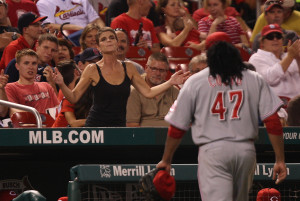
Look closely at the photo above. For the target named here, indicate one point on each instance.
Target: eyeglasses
(153, 69)
(273, 35)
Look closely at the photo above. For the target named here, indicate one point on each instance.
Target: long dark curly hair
(225, 60)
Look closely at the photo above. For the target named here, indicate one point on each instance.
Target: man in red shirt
(133, 19)
(30, 28)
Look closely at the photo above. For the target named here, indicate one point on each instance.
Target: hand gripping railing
(26, 108)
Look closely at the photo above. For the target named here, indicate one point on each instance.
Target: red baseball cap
(271, 3)
(268, 194)
(165, 184)
(7, 195)
(63, 199)
(216, 37)
(270, 29)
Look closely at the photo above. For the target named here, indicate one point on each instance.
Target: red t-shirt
(9, 52)
(39, 95)
(61, 120)
(131, 26)
(16, 9)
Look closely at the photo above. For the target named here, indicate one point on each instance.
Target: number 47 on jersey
(236, 97)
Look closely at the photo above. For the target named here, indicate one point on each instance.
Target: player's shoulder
(252, 76)
(197, 79)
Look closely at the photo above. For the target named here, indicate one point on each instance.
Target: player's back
(231, 113)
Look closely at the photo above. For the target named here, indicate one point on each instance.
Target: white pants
(225, 170)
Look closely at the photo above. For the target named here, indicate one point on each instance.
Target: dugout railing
(101, 182)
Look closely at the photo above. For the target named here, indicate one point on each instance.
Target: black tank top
(109, 103)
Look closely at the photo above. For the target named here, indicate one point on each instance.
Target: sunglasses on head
(273, 35)
(274, 2)
(120, 29)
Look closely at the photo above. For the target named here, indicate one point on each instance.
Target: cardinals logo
(66, 14)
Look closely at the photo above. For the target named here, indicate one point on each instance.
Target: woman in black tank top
(111, 80)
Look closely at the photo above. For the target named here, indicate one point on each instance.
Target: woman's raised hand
(58, 78)
(179, 77)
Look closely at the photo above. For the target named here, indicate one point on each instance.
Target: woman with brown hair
(111, 80)
(169, 11)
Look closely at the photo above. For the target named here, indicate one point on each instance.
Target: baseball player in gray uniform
(222, 105)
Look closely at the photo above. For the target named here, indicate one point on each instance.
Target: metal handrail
(26, 108)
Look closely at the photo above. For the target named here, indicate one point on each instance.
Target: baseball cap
(7, 195)
(268, 194)
(165, 184)
(30, 195)
(270, 29)
(27, 19)
(288, 3)
(63, 199)
(89, 54)
(216, 37)
(271, 3)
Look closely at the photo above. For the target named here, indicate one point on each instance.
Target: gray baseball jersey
(218, 112)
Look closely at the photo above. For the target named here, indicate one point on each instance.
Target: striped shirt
(230, 26)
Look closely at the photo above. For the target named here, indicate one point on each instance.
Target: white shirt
(282, 83)
(78, 12)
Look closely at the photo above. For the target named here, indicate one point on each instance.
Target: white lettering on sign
(139, 170)
(291, 135)
(73, 137)
(266, 171)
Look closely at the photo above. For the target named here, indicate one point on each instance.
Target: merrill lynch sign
(180, 172)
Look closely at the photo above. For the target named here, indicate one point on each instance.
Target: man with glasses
(274, 14)
(142, 111)
(279, 69)
(30, 28)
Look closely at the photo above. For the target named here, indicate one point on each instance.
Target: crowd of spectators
(39, 65)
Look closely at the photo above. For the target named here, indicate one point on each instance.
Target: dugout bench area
(106, 163)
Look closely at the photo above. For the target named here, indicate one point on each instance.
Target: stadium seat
(179, 58)
(27, 119)
(244, 54)
(180, 53)
(138, 54)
